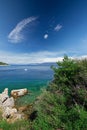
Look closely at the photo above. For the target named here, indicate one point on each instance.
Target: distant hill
(36, 64)
(2, 63)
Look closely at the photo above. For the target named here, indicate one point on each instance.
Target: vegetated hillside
(63, 105)
(2, 63)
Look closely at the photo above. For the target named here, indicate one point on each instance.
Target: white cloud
(27, 58)
(34, 57)
(45, 36)
(82, 57)
(58, 27)
(53, 59)
(16, 35)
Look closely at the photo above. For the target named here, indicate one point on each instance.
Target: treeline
(2, 63)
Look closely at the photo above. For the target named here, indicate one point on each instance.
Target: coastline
(5, 65)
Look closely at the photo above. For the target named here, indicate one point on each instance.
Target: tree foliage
(64, 104)
(2, 63)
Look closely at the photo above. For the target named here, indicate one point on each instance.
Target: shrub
(64, 104)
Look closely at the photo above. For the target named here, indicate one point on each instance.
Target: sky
(37, 31)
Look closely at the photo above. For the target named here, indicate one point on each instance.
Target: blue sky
(36, 31)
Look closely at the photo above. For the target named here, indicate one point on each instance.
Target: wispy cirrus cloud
(58, 27)
(16, 36)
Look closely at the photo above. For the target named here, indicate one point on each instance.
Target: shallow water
(33, 77)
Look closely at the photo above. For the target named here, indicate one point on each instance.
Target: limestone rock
(17, 116)
(4, 95)
(6, 91)
(22, 109)
(9, 112)
(0, 104)
(19, 92)
(9, 103)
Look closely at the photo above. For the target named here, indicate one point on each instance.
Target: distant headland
(2, 63)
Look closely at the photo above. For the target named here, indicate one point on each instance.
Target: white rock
(4, 95)
(18, 116)
(9, 103)
(0, 104)
(15, 117)
(19, 92)
(6, 91)
(9, 112)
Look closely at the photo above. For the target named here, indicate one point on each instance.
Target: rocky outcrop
(9, 112)
(7, 104)
(4, 95)
(12, 115)
(5, 100)
(19, 92)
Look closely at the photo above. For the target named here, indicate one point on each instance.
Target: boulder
(22, 109)
(4, 95)
(9, 112)
(17, 116)
(5, 91)
(9, 103)
(19, 92)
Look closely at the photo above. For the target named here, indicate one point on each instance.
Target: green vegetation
(63, 105)
(19, 125)
(2, 63)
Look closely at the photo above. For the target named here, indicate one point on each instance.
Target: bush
(19, 125)
(64, 104)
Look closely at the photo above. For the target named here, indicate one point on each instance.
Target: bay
(33, 77)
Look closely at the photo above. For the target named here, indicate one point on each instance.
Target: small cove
(32, 77)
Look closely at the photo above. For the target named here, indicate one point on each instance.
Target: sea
(34, 77)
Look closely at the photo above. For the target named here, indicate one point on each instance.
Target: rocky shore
(7, 105)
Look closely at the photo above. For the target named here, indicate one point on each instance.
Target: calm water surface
(33, 77)
(19, 76)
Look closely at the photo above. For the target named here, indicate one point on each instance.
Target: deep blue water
(16, 77)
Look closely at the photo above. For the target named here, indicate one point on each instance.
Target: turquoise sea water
(33, 77)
